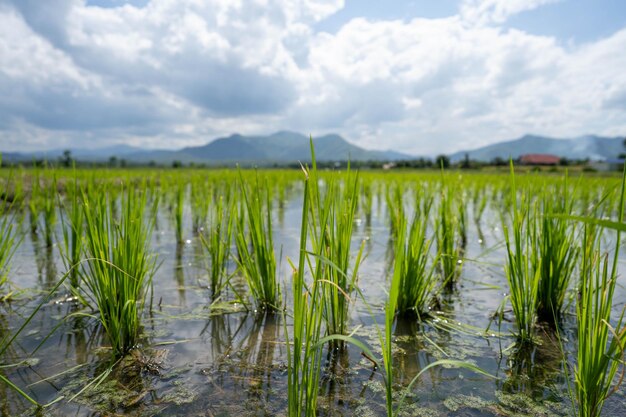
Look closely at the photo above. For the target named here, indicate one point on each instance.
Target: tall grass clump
(8, 242)
(415, 267)
(200, 201)
(601, 344)
(73, 227)
(332, 218)
(450, 236)
(179, 208)
(121, 265)
(255, 245)
(557, 249)
(49, 211)
(522, 272)
(34, 202)
(304, 344)
(217, 243)
(395, 206)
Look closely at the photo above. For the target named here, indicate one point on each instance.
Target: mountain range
(290, 147)
(281, 147)
(582, 147)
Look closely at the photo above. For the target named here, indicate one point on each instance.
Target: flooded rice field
(204, 352)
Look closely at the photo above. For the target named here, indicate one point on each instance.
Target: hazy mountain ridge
(281, 147)
(287, 147)
(582, 147)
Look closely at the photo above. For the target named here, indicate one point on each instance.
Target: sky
(418, 76)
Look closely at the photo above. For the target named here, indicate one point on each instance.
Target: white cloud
(179, 72)
(496, 11)
(28, 57)
(474, 84)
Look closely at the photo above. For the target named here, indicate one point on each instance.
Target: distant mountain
(97, 154)
(582, 147)
(281, 147)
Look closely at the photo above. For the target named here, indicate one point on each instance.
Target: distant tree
(66, 159)
(442, 161)
(465, 163)
(564, 162)
(497, 161)
(177, 164)
(123, 163)
(113, 161)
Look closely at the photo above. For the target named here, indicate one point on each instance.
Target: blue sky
(420, 76)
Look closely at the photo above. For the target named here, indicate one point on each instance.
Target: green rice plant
(9, 241)
(601, 344)
(179, 210)
(218, 243)
(8, 340)
(555, 243)
(34, 202)
(479, 201)
(522, 272)
(73, 228)
(200, 201)
(304, 344)
(395, 207)
(255, 245)
(8, 245)
(416, 269)
(335, 214)
(49, 207)
(121, 264)
(592, 234)
(385, 337)
(367, 201)
(390, 312)
(449, 237)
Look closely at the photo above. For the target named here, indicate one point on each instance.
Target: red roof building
(539, 159)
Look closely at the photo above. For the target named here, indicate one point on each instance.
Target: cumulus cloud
(449, 83)
(497, 11)
(180, 72)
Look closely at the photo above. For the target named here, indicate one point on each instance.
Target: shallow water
(197, 361)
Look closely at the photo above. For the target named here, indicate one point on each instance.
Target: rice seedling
(556, 246)
(8, 340)
(416, 269)
(34, 203)
(395, 207)
(601, 339)
(73, 227)
(335, 215)
(7, 247)
(367, 201)
(601, 344)
(479, 201)
(386, 337)
(9, 242)
(449, 237)
(304, 344)
(256, 257)
(390, 312)
(200, 201)
(522, 273)
(218, 243)
(120, 268)
(179, 210)
(49, 211)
